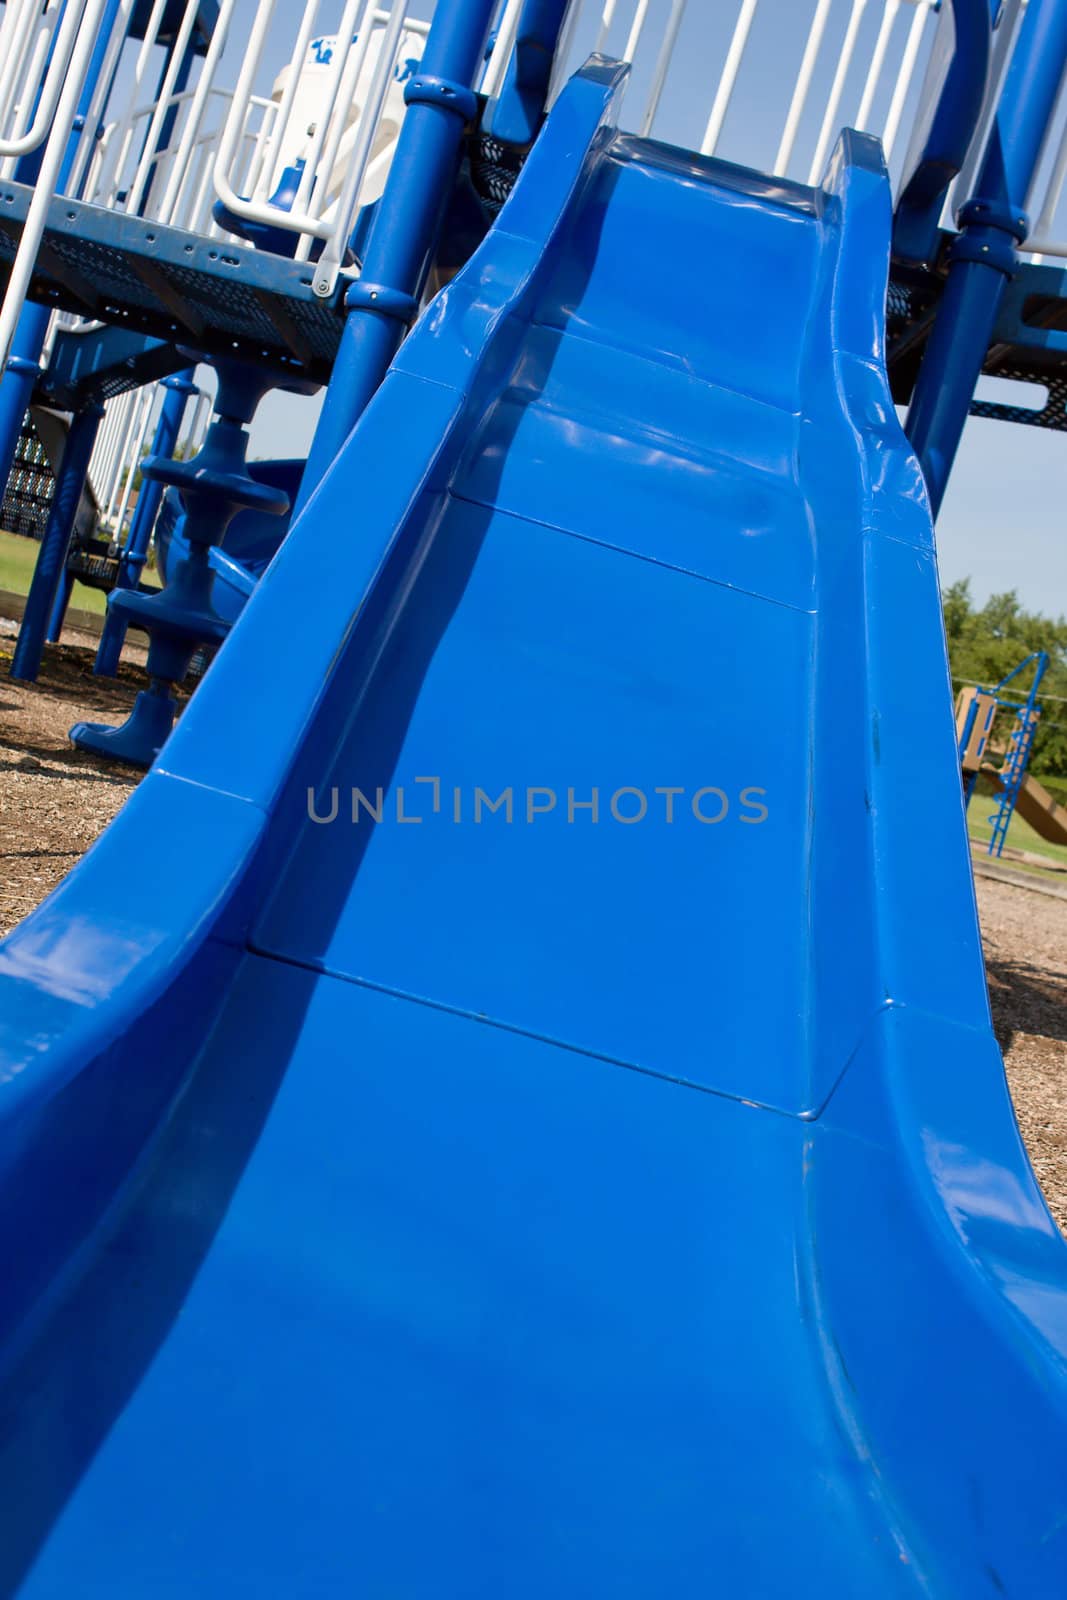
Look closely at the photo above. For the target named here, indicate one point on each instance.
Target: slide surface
(538, 1132)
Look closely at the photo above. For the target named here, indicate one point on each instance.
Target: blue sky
(999, 523)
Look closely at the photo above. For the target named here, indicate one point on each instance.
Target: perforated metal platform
(176, 286)
(1029, 343)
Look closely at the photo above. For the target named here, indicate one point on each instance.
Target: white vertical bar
(563, 50)
(152, 395)
(155, 127)
(347, 200)
(45, 187)
(731, 66)
(15, 33)
(24, 134)
(1003, 45)
(1042, 227)
(125, 428)
(232, 127)
(267, 141)
(636, 29)
(346, 93)
(829, 122)
(905, 75)
(505, 44)
(874, 71)
(98, 459)
(23, 92)
(281, 122)
(123, 132)
(198, 426)
(607, 17)
(87, 144)
(663, 63)
(345, 29)
(179, 167)
(199, 180)
(803, 85)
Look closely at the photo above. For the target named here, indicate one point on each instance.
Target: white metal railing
(826, 63)
(349, 87)
(35, 63)
(82, 22)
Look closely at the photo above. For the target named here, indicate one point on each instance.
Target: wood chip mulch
(54, 800)
(45, 826)
(1025, 939)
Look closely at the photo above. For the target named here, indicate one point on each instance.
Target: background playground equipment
(1005, 762)
(486, 1180)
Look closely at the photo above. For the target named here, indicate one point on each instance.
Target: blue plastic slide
(537, 1132)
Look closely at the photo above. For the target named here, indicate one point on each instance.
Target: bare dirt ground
(46, 825)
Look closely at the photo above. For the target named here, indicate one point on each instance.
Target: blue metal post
(64, 590)
(53, 552)
(20, 374)
(19, 378)
(164, 442)
(983, 256)
(384, 300)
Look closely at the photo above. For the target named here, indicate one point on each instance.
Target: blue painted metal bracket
(449, 93)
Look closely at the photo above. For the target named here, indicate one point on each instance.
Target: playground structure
(1005, 763)
(488, 1118)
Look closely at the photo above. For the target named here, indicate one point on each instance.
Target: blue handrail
(952, 127)
(516, 115)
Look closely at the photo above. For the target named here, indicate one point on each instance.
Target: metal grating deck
(177, 286)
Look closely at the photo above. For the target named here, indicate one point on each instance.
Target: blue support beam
(385, 299)
(48, 571)
(982, 259)
(64, 590)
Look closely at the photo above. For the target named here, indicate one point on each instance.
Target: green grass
(1020, 834)
(17, 558)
